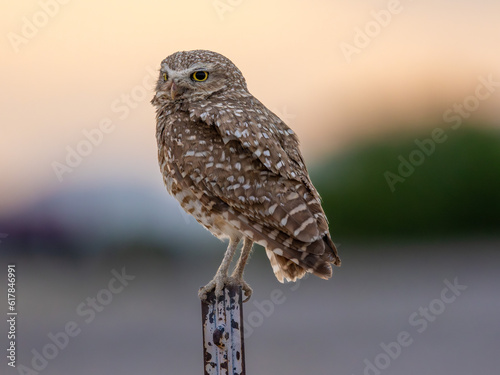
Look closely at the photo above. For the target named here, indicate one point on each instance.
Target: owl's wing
(278, 210)
(259, 131)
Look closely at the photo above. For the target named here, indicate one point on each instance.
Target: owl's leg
(220, 278)
(237, 275)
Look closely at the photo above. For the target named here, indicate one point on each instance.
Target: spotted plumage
(237, 168)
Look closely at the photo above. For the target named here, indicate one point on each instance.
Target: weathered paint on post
(223, 343)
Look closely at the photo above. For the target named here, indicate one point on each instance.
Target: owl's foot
(244, 287)
(218, 283)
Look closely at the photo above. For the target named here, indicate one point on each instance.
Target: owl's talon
(244, 287)
(216, 284)
(248, 292)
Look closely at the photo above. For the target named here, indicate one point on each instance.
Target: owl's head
(196, 75)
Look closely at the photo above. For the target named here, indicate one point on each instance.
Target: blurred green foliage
(454, 191)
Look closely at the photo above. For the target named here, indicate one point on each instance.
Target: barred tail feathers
(291, 265)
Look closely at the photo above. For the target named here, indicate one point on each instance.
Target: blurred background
(397, 106)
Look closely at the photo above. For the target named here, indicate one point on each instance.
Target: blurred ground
(321, 327)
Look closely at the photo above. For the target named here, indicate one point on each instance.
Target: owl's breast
(185, 148)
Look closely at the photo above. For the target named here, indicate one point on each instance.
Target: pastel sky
(69, 66)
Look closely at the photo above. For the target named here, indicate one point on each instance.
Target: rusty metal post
(223, 343)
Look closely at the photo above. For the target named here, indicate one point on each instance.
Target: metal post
(222, 323)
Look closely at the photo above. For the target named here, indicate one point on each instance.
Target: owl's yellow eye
(165, 77)
(199, 76)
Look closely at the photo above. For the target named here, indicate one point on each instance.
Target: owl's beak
(173, 90)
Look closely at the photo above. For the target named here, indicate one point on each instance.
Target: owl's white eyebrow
(181, 72)
(199, 67)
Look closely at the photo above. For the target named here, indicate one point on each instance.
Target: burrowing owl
(237, 168)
